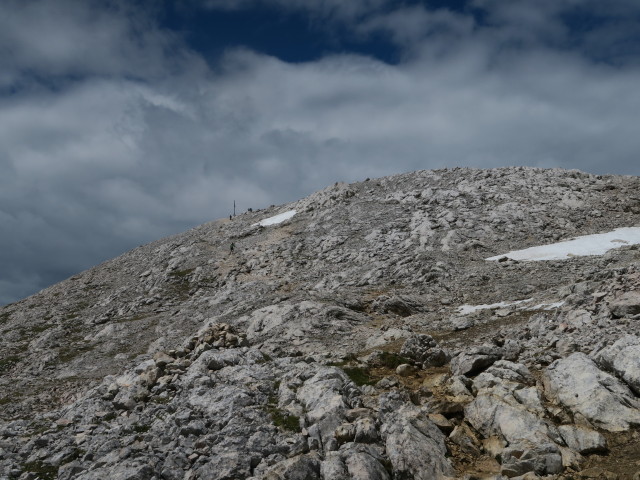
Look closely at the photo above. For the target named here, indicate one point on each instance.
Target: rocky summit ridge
(362, 334)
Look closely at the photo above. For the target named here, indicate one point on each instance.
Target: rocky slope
(332, 345)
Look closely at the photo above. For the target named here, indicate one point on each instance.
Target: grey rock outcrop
(415, 446)
(627, 303)
(425, 351)
(364, 338)
(579, 385)
(475, 360)
(623, 359)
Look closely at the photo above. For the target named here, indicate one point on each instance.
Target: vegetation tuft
(392, 360)
(68, 353)
(360, 376)
(44, 472)
(281, 418)
(8, 362)
(182, 273)
(284, 419)
(181, 283)
(141, 428)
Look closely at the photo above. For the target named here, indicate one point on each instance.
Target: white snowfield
(276, 218)
(597, 244)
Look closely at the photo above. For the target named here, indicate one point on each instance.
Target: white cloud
(415, 24)
(136, 148)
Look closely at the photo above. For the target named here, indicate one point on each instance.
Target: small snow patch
(467, 309)
(597, 244)
(546, 306)
(276, 219)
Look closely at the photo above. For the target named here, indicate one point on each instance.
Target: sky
(125, 121)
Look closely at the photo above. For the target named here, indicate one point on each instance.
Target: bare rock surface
(365, 336)
(579, 385)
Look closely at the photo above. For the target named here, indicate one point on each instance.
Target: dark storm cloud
(113, 132)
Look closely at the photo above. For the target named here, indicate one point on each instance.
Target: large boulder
(415, 446)
(543, 459)
(353, 462)
(491, 414)
(508, 409)
(583, 440)
(579, 385)
(302, 467)
(625, 304)
(623, 359)
(325, 398)
(475, 360)
(423, 349)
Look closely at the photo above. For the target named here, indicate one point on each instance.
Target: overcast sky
(124, 121)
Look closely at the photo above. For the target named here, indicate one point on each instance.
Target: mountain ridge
(359, 270)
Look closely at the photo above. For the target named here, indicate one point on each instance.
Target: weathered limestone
(623, 359)
(578, 384)
(179, 360)
(414, 445)
(425, 351)
(627, 303)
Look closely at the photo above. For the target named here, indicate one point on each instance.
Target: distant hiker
(232, 246)
(229, 217)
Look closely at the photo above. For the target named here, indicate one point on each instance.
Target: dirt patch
(623, 458)
(483, 330)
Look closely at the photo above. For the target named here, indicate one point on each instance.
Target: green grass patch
(39, 427)
(8, 362)
(5, 400)
(76, 310)
(4, 317)
(360, 376)
(160, 400)
(141, 428)
(44, 472)
(283, 419)
(346, 361)
(182, 273)
(68, 353)
(181, 283)
(40, 328)
(109, 416)
(392, 360)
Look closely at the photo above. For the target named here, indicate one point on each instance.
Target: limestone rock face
(475, 360)
(424, 350)
(366, 337)
(627, 303)
(623, 359)
(583, 440)
(579, 385)
(414, 445)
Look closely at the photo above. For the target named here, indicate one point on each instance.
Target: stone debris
(341, 343)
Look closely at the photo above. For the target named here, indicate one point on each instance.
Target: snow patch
(546, 306)
(276, 219)
(597, 244)
(467, 309)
